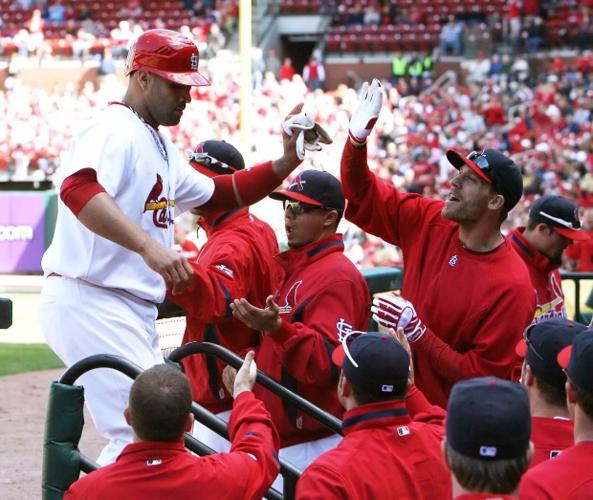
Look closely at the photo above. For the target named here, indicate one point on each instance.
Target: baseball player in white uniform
(111, 257)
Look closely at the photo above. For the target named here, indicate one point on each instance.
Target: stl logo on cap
(298, 183)
(193, 61)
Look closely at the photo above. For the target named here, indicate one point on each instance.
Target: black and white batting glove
(310, 134)
(370, 100)
(393, 311)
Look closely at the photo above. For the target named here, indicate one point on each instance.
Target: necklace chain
(156, 137)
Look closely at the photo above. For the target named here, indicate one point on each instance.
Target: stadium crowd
(544, 123)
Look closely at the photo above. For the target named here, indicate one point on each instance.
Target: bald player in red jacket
(467, 295)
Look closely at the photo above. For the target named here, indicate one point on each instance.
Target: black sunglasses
(480, 160)
(526, 339)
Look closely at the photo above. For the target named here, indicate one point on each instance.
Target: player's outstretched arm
(103, 217)
(248, 186)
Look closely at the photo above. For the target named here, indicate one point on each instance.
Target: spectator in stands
(542, 376)
(487, 446)
(322, 298)
(56, 12)
(553, 225)
(157, 465)
(287, 70)
(314, 74)
(236, 261)
(536, 34)
(463, 328)
(570, 475)
(451, 37)
(272, 63)
(374, 460)
(579, 255)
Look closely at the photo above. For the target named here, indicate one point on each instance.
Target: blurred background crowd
(542, 118)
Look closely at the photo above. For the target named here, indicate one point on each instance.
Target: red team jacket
(385, 454)
(323, 296)
(569, 476)
(475, 305)
(550, 436)
(545, 278)
(157, 470)
(236, 261)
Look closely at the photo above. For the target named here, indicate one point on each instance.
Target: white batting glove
(310, 134)
(370, 100)
(393, 311)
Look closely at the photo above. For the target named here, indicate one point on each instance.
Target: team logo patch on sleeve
(151, 462)
(229, 272)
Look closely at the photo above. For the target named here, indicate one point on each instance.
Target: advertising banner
(27, 221)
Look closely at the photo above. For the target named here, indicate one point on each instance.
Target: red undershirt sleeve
(244, 187)
(78, 188)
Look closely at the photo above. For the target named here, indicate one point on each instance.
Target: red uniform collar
(382, 414)
(151, 450)
(221, 220)
(529, 253)
(294, 258)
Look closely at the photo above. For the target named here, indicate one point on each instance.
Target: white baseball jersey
(133, 170)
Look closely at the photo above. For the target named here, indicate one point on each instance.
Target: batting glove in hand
(370, 100)
(393, 311)
(310, 134)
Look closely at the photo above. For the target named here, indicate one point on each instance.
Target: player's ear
(190, 423)
(128, 416)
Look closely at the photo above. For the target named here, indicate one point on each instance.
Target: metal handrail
(327, 419)
(132, 370)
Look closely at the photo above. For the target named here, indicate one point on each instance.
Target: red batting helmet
(167, 54)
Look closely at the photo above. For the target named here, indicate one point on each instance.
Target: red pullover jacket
(569, 476)
(322, 298)
(384, 454)
(545, 278)
(236, 261)
(157, 470)
(550, 436)
(475, 305)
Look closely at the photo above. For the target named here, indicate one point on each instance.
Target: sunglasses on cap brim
(209, 162)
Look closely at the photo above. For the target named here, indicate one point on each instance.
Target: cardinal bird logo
(158, 205)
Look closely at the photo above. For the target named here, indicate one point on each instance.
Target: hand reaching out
(267, 319)
(243, 380)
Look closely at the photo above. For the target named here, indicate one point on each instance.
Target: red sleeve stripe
(79, 188)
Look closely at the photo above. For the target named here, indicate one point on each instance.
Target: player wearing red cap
(570, 475)
(466, 293)
(111, 255)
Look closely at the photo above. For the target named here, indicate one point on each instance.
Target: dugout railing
(62, 459)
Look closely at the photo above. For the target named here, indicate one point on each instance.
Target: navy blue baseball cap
(561, 214)
(541, 344)
(316, 188)
(578, 361)
(495, 168)
(213, 158)
(488, 419)
(374, 362)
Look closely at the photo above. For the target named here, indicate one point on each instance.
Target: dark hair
(160, 402)
(364, 397)
(551, 393)
(584, 400)
(489, 476)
